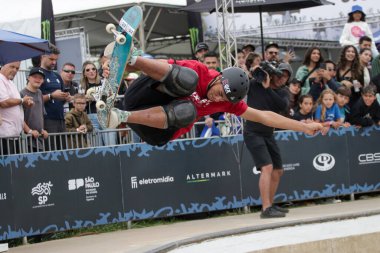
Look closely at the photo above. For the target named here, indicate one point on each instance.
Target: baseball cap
(271, 44)
(286, 66)
(200, 46)
(36, 70)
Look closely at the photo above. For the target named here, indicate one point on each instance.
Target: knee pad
(180, 113)
(181, 81)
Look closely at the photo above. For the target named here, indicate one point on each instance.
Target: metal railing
(26, 143)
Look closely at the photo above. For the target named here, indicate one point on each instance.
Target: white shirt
(12, 117)
(352, 33)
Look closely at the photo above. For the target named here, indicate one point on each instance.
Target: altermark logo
(43, 191)
(146, 181)
(324, 162)
(206, 176)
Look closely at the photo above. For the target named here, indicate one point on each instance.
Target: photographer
(267, 92)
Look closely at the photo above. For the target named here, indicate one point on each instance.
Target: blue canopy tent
(18, 47)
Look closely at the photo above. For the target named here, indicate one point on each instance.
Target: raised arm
(277, 121)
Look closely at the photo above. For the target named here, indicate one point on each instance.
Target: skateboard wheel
(90, 92)
(120, 39)
(110, 28)
(100, 105)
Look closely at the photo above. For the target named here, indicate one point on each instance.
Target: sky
(341, 7)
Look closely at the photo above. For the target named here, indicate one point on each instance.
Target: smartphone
(322, 66)
(66, 89)
(290, 49)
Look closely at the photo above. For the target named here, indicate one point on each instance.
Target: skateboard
(121, 51)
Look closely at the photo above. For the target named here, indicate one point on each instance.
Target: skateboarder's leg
(178, 113)
(176, 81)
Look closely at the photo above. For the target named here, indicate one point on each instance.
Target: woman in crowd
(312, 60)
(350, 72)
(91, 80)
(252, 60)
(365, 60)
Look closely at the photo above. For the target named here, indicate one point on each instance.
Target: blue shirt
(331, 114)
(54, 107)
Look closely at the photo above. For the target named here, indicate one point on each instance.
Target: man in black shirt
(270, 95)
(366, 111)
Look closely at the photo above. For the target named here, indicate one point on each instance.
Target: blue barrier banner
(65, 190)
(183, 177)
(314, 167)
(364, 159)
(56, 191)
(7, 214)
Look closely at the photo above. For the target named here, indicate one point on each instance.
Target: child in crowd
(366, 111)
(77, 120)
(304, 112)
(343, 95)
(328, 112)
(294, 90)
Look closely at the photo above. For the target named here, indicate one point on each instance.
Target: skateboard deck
(120, 56)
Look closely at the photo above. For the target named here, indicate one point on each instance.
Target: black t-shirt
(299, 116)
(275, 100)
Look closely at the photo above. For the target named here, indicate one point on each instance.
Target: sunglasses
(88, 70)
(69, 71)
(271, 52)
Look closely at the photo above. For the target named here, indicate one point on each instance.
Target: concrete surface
(163, 238)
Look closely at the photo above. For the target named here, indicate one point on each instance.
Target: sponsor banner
(192, 179)
(314, 167)
(65, 190)
(6, 206)
(364, 160)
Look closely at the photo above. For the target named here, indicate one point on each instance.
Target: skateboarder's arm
(275, 120)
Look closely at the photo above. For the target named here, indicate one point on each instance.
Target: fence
(26, 143)
(61, 190)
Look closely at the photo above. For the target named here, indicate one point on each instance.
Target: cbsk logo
(369, 158)
(324, 162)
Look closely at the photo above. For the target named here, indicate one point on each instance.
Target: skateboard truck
(119, 37)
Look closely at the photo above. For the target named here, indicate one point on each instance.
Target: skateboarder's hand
(312, 128)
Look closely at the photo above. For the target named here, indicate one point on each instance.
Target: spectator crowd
(336, 92)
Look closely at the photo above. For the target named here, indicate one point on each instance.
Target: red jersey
(199, 98)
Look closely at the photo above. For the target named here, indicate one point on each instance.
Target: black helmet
(235, 83)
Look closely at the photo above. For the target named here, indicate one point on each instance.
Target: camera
(66, 89)
(270, 67)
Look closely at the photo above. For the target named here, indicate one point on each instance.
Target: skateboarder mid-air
(166, 100)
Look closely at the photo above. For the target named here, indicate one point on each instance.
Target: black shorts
(264, 150)
(142, 95)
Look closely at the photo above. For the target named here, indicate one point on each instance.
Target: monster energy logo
(46, 29)
(194, 37)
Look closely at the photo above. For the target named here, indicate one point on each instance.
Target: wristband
(49, 96)
(30, 131)
(22, 101)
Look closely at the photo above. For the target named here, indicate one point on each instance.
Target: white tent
(162, 21)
